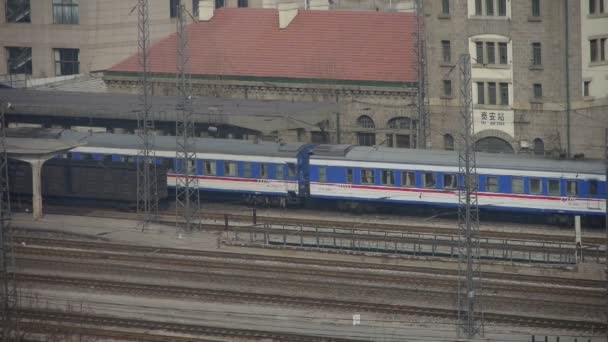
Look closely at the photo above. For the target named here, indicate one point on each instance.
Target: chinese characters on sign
(492, 118)
(501, 120)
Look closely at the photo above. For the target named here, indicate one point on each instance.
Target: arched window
(448, 142)
(539, 147)
(365, 121)
(493, 145)
(399, 123)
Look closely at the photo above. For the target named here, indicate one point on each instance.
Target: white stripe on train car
(242, 184)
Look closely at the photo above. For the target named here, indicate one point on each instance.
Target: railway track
(74, 320)
(287, 301)
(168, 217)
(186, 257)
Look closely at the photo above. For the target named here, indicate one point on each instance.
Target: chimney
(287, 11)
(205, 9)
(319, 5)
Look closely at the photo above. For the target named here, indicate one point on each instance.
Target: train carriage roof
(450, 158)
(203, 145)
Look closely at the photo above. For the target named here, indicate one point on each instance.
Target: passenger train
(352, 176)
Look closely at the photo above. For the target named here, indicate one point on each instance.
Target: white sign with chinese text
(501, 120)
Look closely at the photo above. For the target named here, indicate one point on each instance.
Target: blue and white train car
(353, 174)
(222, 165)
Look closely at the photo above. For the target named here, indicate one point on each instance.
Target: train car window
(322, 174)
(264, 171)
(368, 177)
(430, 180)
(408, 179)
(535, 186)
(69, 155)
(349, 176)
(491, 184)
(130, 159)
(230, 169)
(572, 188)
(210, 167)
(247, 170)
(291, 170)
(107, 158)
(388, 177)
(280, 172)
(86, 156)
(192, 167)
(517, 185)
(593, 187)
(168, 164)
(554, 188)
(449, 181)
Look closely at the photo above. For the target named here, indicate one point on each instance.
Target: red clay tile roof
(338, 45)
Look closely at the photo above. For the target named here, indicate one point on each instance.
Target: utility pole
(470, 316)
(7, 257)
(423, 127)
(187, 200)
(147, 191)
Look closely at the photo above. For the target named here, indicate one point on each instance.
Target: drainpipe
(567, 52)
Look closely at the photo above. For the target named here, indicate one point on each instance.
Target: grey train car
(94, 181)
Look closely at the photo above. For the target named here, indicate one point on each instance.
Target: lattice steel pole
(147, 191)
(7, 258)
(187, 199)
(422, 106)
(606, 221)
(470, 315)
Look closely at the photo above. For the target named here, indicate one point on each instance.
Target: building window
(365, 121)
(502, 8)
(366, 139)
(492, 93)
(195, 11)
(173, 8)
(66, 62)
(490, 7)
(586, 86)
(209, 167)
(388, 177)
(19, 60)
(536, 54)
(445, 7)
(389, 140)
(230, 169)
(502, 53)
(481, 97)
(491, 184)
(322, 174)
(536, 8)
(400, 123)
(517, 185)
(593, 50)
(490, 53)
(539, 147)
(479, 52)
(430, 180)
(448, 142)
(538, 91)
(504, 94)
(449, 181)
(219, 3)
(367, 176)
(554, 188)
(572, 188)
(446, 51)
(349, 176)
(603, 49)
(601, 5)
(478, 9)
(18, 11)
(447, 88)
(408, 179)
(243, 3)
(66, 12)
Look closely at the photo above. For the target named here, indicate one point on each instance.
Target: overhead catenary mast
(187, 198)
(147, 191)
(470, 315)
(422, 106)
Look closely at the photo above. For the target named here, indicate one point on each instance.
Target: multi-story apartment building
(47, 38)
(539, 73)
